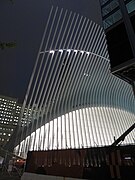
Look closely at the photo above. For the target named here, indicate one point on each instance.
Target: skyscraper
(9, 116)
(118, 21)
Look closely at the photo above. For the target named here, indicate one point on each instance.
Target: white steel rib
(74, 99)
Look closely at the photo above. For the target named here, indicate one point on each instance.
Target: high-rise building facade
(119, 23)
(8, 119)
(10, 112)
(79, 102)
(111, 11)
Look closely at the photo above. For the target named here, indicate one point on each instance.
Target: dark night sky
(24, 22)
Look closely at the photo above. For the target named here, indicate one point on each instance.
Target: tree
(4, 45)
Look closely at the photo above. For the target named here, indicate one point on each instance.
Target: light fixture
(69, 50)
(61, 50)
(75, 51)
(86, 74)
(82, 52)
(51, 51)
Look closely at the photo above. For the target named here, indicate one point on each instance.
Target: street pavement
(6, 176)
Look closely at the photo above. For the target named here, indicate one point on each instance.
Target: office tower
(119, 23)
(111, 12)
(8, 119)
(10, 111)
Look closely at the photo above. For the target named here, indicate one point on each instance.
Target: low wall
(32, 176)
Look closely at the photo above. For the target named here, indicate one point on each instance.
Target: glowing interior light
(127, 158)
(69, 50)
(86, 74)
(60, 50)
(82, 52)
(52, 51)
(61, 139)
(75, 51)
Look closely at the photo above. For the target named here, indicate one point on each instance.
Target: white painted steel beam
(74, 99)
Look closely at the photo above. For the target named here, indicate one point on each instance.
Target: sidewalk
(6, 176)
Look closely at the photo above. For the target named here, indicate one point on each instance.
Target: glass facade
(111, 12)
(9, 117)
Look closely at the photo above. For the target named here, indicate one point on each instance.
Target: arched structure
(74, 99)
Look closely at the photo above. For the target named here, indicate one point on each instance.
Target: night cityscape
(67, 94)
